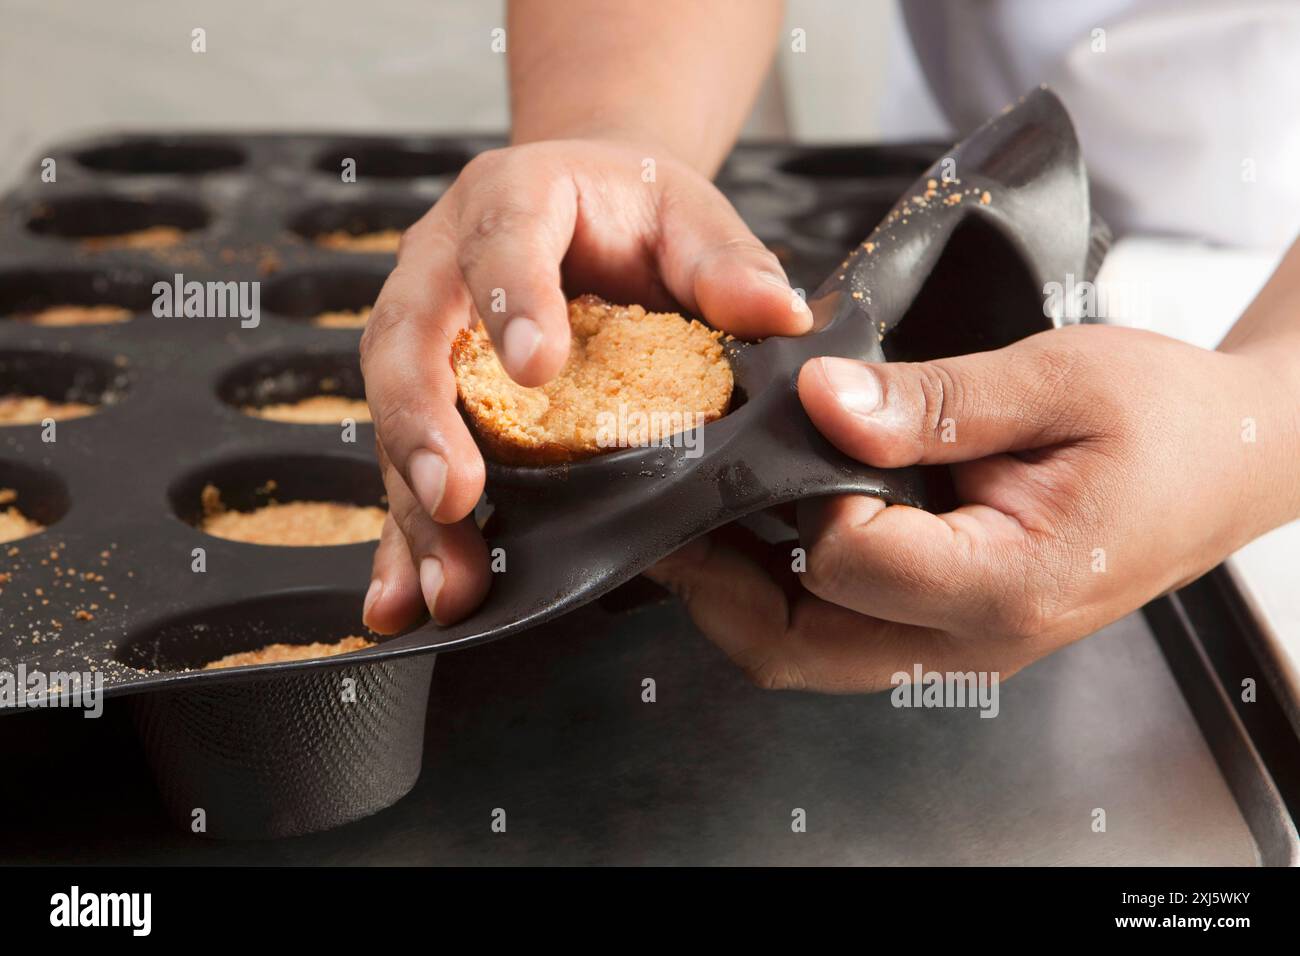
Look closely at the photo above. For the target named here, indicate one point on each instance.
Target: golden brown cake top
(313, 410)
(274, 653)
(293, 523)
(632, 378)
(34, 409)
(13, 523)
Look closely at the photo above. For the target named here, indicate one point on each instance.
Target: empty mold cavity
(351, 220)
(393, 160)
(115, 217)
(156, 156)
(319, 295)
(57, 378)
(38, 495)
(980, 296)
(272, 383)
(194, 639)
(250, 483)
(74, 296)
(862, 162)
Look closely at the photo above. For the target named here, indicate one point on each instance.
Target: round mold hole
(103, 219)
(342, 223)
(33, 294)
(845, 225)
(288, 379)
(39, 495)
(862, 162)
(331, 298)
(159, 156)
(271, 750)
(190, 640)
(249, 483)
(393, 160)
(64, 378)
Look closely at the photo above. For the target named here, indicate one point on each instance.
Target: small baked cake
(67, 315)
(313, 410)
(633, 378)
(381, 240)
(299, 524)
(153, 237)
(13, 523)
(34, 409)
(274, 653)
(343, 319)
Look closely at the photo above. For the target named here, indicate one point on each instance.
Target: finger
(733, 603)
(715, 267)
(410, 387)
(393, 602)
(450, 561)
(963, 572)
(808, 644)
(514, 230)
(1033, 394)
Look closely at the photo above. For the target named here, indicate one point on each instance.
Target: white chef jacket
(1188, 110)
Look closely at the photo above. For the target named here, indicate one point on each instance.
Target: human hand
(517, 226)
(1097, 467)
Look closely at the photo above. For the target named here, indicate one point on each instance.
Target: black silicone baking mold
(274, 750)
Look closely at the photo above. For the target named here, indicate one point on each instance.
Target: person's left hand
(1097, 468)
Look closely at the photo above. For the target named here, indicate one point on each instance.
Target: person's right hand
(516, 229)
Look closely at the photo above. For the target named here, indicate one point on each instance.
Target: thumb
(894, 414)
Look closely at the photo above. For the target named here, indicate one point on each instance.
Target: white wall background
(69, 67)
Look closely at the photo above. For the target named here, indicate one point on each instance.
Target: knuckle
(385, 318)
(408, 517)
(488, 228)
(1020, 619)
(1031, 617)
(406, 241)
(940, 397)
(748, 246)
(389, 418)
(400, 425)
(484, 163)
(827, 569)
(773, 673)
(1054, 373)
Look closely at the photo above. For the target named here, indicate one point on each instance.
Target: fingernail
(797, 304)
(855, 386)
(519, 342)
(372, 595)
(428, 478)
(431, 583)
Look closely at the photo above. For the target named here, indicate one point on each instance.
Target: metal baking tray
(553, 730)
(133, 473)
